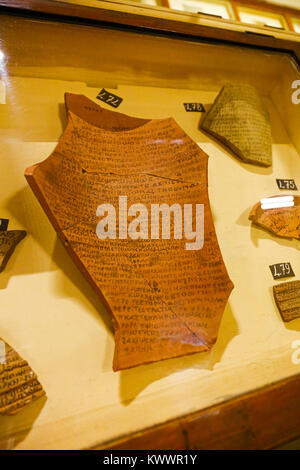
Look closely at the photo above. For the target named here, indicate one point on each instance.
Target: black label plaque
(3, 224)
(286, 184)
(109, 98)
(194, 107)
(281, 270)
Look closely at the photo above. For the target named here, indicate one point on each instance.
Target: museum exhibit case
(125, 332)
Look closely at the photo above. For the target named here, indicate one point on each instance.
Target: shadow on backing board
(134, 381)
(41, 241)
(14, 428)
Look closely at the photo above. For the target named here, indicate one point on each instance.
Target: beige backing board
(51, 316)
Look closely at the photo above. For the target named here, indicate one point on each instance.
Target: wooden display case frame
(264, 418)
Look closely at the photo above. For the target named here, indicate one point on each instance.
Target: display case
(243, 391)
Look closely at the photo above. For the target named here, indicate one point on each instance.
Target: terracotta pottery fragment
(19, 385)
(280, 215)
(287, 298)
(8, 242)
(165, 300)
(239, 120)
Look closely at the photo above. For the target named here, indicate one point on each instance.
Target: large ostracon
(8, 242)
(238, 119)
(279, 215)
(287, 298)
(165, 300)
(19, 385)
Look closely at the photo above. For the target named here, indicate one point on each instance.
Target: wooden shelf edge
(262, 419)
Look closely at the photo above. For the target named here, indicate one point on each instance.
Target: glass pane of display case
(217, 8)
(213, 117)
(262, 18)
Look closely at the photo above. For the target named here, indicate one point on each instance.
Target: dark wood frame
(266, 417)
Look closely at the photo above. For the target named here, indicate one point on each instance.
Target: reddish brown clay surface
(281, 221)
(166, 301)
(19, 385)
(287, 298)
(8, 242)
